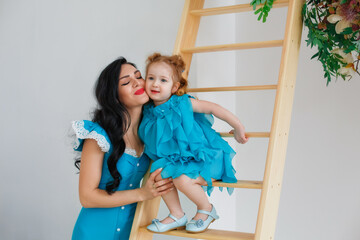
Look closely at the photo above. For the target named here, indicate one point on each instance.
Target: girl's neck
(161, 102)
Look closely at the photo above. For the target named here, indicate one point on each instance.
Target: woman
(112, 163)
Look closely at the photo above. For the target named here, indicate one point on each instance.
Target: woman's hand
(239, 134)
(154, 188)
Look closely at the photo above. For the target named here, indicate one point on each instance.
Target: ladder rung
(235, 88)
(248, 134)
(240, 184)
(211, 234)
(234, 46)
(234, 9)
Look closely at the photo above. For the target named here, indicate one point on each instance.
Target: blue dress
(183, 142)
(108, 223)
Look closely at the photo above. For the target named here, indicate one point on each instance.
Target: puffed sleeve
(85, 129)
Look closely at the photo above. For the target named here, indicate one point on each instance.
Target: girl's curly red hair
(178, 66)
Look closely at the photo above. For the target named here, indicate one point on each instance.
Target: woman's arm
(222, 113)
(90, 174)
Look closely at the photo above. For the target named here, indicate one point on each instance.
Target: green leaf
(347, 30)
(257, 11)
(315, 55)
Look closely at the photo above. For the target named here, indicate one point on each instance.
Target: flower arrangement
(334, 28)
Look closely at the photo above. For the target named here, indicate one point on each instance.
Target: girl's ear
(175, 87)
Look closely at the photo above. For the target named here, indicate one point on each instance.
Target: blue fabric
(183, 142)
(108, 223)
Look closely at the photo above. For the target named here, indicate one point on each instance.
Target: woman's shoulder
(85, 129)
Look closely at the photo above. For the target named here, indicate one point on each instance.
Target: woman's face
(131, 87)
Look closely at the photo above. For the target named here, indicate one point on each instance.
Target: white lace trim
(82, 133)
(132, 152)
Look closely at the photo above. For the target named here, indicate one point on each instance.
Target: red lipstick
(140, 91)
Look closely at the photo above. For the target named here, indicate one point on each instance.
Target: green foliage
(264, 9)
(322, 33)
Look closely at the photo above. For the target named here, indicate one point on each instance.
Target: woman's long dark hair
(112, 115)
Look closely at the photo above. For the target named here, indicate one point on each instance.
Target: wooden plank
(234, 46)
(240, 184)
(187, 33)
(145, 212)
(274, 168)
(234, 88)
(210, 234)
(248, 134)
(234, 8)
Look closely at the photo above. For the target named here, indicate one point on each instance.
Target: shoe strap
(207, 213)
(156, 222)
(204, 212)
(174, 218)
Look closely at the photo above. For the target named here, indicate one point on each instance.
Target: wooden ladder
(278, 137)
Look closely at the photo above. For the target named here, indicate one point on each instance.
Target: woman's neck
(131, 137)
(135, 114)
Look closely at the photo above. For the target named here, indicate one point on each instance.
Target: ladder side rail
(188, 31)
(145, 212)
(270, 195)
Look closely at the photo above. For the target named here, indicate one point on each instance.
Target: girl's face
(131, 87)
(160, 84)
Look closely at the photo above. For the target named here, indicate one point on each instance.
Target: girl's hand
(239, 134)
(154, 188)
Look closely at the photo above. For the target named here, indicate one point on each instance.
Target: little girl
(176, 130)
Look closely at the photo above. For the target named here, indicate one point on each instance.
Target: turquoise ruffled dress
(182, 142)
(108, 223)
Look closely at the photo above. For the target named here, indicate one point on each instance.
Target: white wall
(50, 55)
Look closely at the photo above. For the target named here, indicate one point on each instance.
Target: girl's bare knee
(181, 181)
(201, 181)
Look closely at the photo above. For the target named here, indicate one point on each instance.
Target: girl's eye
(163, 80)
(125, 83)
(150, 78)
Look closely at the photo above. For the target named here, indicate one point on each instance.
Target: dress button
(118, 229)
(138, 164)
(130, 185)
(122, 207)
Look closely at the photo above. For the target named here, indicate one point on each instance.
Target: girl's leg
(193, 190)
(172, 201)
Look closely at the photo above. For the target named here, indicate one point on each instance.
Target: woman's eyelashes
(124, 84)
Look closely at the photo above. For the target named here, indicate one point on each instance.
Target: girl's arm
(93, 197)
(222, 113)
